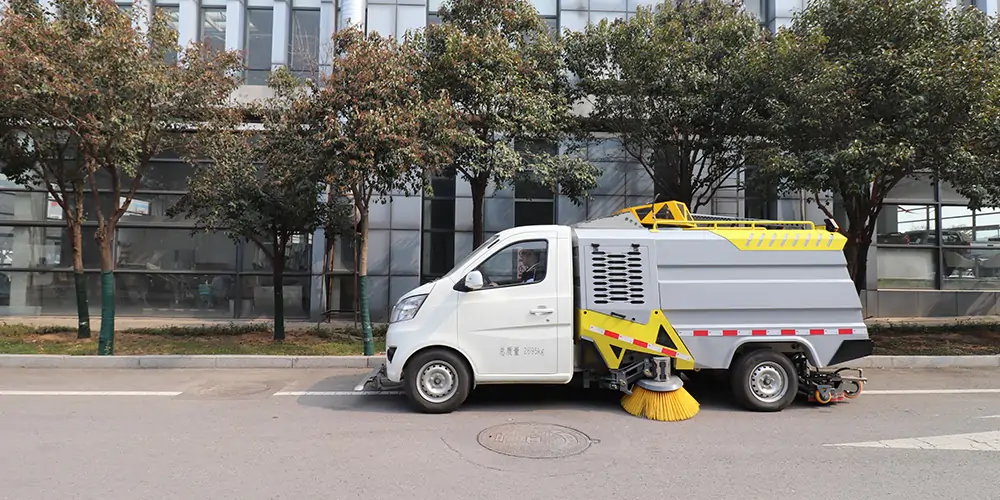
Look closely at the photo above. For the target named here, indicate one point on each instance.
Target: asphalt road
(234, 434)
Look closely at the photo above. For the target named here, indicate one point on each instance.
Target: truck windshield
(475, 254)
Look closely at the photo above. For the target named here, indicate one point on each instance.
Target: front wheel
(437, 381)
(764, 380)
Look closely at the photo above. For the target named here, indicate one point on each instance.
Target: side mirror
(474, 280)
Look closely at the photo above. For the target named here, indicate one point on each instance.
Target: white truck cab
(503, 314)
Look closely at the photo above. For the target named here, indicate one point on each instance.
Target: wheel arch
(786, 345)
(457, 352)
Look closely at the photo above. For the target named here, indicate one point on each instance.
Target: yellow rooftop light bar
(675, 213)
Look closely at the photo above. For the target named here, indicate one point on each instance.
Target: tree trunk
(856, 250)
(479, 185)
(278, 272)
(106, 338)
(366, 319)
(80, 282)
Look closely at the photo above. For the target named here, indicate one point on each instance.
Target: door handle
(538, 311)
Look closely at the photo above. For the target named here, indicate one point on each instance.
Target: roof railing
(676, 214)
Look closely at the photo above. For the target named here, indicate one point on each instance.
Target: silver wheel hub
(768, 382)
(437, 381)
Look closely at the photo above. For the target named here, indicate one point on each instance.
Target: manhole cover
(527, 440)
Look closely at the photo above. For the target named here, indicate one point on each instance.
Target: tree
(36, 152)
(678, 86)
(503, 70)
(874, 92)
(264, 184)
(376, 131)
(112, 86)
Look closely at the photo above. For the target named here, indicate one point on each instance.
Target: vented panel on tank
(618, 275)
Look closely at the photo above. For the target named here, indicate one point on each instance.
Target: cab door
(511, 325)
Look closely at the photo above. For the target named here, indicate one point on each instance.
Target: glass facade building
(932, 257)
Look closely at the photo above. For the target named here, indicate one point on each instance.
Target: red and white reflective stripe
(645, 345)
(767, 332)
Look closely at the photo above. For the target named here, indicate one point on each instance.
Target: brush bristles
(666, 406)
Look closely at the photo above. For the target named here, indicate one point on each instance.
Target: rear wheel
(764, 380)
(437, 381)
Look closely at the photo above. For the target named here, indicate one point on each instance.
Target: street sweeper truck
(629, 301)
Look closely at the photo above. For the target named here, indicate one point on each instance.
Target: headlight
(406, 308)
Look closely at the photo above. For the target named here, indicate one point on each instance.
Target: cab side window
(519, 263)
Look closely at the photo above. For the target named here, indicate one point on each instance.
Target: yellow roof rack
(675, 213)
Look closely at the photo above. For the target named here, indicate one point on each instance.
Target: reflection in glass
(260, 29)
(298, 255)
(174, 249)
(303, 44)
(258, 296)
(902, 268)
(907, 225)
(213, 27)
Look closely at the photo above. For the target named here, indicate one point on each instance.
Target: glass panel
(906, 225)
(172, 294)
(258, 296)
(987, 225)
(438, 253)
(213, 27)
(439, 214)
(45, 247)
(410, 18)
(144, 208)
(173, 14)
(527, 213)
(546, 7)
(951, 195)
(976, 268)
(382, 19)
(956, 225)
(498, 213)
(49, 293)
(609, 5)
(521, 262)
(405, 255)
(919, 188)
(531, 191)
(298, 255)
(900, 267)
(260, 30)
(29, 206)
(574, 4)
(174, 249)
(303, 44)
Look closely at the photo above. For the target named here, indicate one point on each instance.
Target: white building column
(327, 26)
(280, 34)
(235, 24)
(187, 23)
(352, 12)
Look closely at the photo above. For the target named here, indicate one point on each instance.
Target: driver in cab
(534, 269)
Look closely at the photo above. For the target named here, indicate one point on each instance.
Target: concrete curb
(178, 361)
(246, 362)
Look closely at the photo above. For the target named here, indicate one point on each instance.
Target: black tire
(444, 365)
(774, 367)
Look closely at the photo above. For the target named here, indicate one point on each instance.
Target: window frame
(521, 242)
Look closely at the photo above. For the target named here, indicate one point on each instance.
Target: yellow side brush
(662, 397)
(666, 406)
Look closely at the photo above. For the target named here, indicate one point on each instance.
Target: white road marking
(90, 393)
(980, 441)
(990, 416)
(339, 393)
(928, 391)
